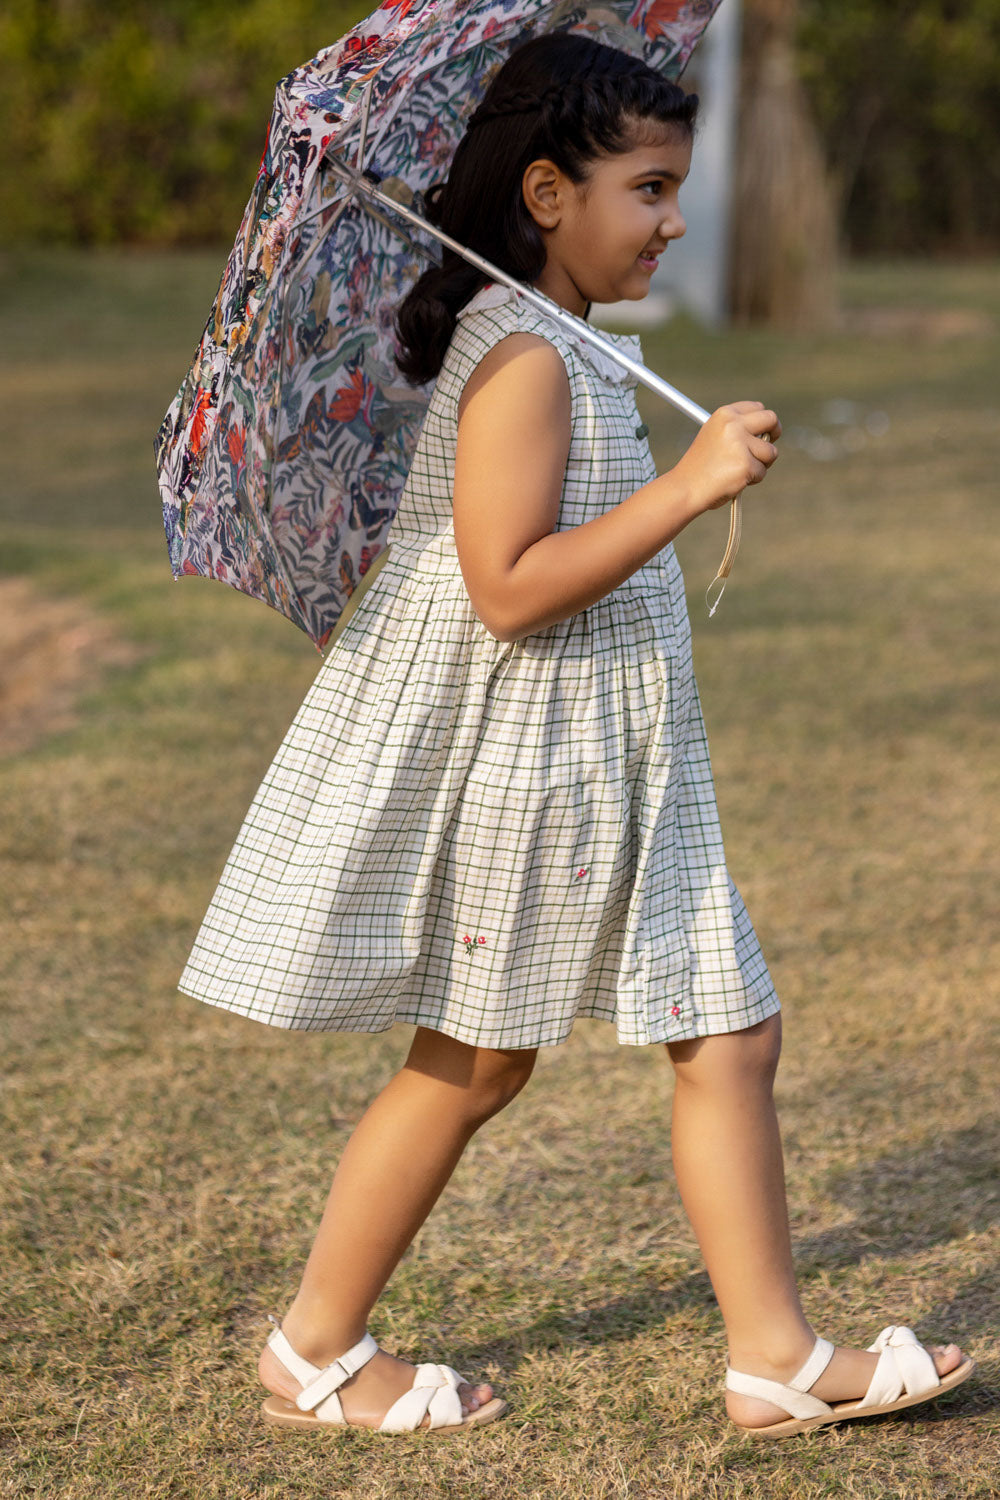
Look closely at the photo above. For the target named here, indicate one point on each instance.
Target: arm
(513, 443)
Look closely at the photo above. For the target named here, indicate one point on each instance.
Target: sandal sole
(848, 1411)
(277, 1412)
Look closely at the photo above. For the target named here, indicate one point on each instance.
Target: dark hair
(562, 97)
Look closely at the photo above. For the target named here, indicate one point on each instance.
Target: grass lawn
(167, 1162)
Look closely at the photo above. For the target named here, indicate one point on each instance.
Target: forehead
(663, 149)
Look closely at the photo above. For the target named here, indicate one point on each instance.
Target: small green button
(642, 431)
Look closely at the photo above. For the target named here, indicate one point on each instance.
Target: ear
(543, 188)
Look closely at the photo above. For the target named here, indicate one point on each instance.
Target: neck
(556, 283)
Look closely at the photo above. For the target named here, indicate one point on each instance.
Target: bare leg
(401, 1155)
(727, 1156)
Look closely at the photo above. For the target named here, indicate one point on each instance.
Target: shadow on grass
(939, 1190)
(905, 1203)
(646, 1310)
(967, 1315)
(638, 1311)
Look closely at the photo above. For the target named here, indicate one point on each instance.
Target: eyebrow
(663, 173)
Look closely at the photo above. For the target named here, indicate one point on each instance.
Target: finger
(762, 422)
(746, 406)
(756, 470)
(763, 449)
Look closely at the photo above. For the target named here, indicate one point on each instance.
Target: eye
(653, 188)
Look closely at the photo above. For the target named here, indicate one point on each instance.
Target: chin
(622, 294)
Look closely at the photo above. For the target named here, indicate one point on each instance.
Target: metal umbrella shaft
(366, 186)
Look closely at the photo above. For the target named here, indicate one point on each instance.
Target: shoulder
(524, 365)
(520, 382)
(496, 313)
(511, 360)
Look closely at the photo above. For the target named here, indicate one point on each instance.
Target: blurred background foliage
(907, 95)
(143, 123)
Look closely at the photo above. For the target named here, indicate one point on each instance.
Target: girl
(494, 811)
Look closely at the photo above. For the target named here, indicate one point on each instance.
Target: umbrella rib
(374, 213)
(414, 245)
(366, 108)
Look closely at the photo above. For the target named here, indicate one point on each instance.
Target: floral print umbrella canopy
(283, 456)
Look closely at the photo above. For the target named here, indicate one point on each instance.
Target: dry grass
(168, 1161)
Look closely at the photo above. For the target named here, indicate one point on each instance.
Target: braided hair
(561, 97)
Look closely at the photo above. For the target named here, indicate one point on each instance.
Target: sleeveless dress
(491, 838)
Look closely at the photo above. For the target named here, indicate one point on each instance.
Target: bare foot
(846, 1378)
(368, 1395)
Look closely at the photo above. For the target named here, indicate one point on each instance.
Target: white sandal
(904, 1366)
(434, 1394)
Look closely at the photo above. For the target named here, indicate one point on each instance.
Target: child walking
(494, 811)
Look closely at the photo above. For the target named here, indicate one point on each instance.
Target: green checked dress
(491, 838)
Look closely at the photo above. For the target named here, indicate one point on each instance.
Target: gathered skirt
(490, 838)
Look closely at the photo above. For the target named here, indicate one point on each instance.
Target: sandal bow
(904, 1365)
(434, 1394)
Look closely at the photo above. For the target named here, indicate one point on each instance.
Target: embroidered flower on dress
(472, 943)
(581, 872)
(675, 1010)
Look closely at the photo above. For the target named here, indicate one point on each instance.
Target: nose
(673, 225)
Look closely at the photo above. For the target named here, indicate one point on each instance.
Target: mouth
(649, 262)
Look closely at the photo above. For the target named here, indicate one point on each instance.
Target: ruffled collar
(497, 295)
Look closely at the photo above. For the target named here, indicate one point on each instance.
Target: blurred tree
(907, 93)
(144, 122)
(784, 229)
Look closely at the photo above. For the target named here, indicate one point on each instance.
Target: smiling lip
(649, 260)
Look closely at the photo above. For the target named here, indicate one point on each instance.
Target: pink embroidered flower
(581, 872)
(482, 939)
(675, 1010)
(472, 943)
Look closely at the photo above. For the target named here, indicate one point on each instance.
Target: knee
(736, 1059)
(497, 1078)
(480, 1080)
(762, 1048)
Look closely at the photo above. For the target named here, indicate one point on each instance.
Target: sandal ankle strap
(806, 1378)
(319, 1383)
(794, 1397)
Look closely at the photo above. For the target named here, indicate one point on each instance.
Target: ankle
(775, 1356)
(316, 1335)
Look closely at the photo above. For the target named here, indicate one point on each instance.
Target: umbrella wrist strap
(713, 599)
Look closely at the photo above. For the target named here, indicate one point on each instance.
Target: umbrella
(283, 456)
